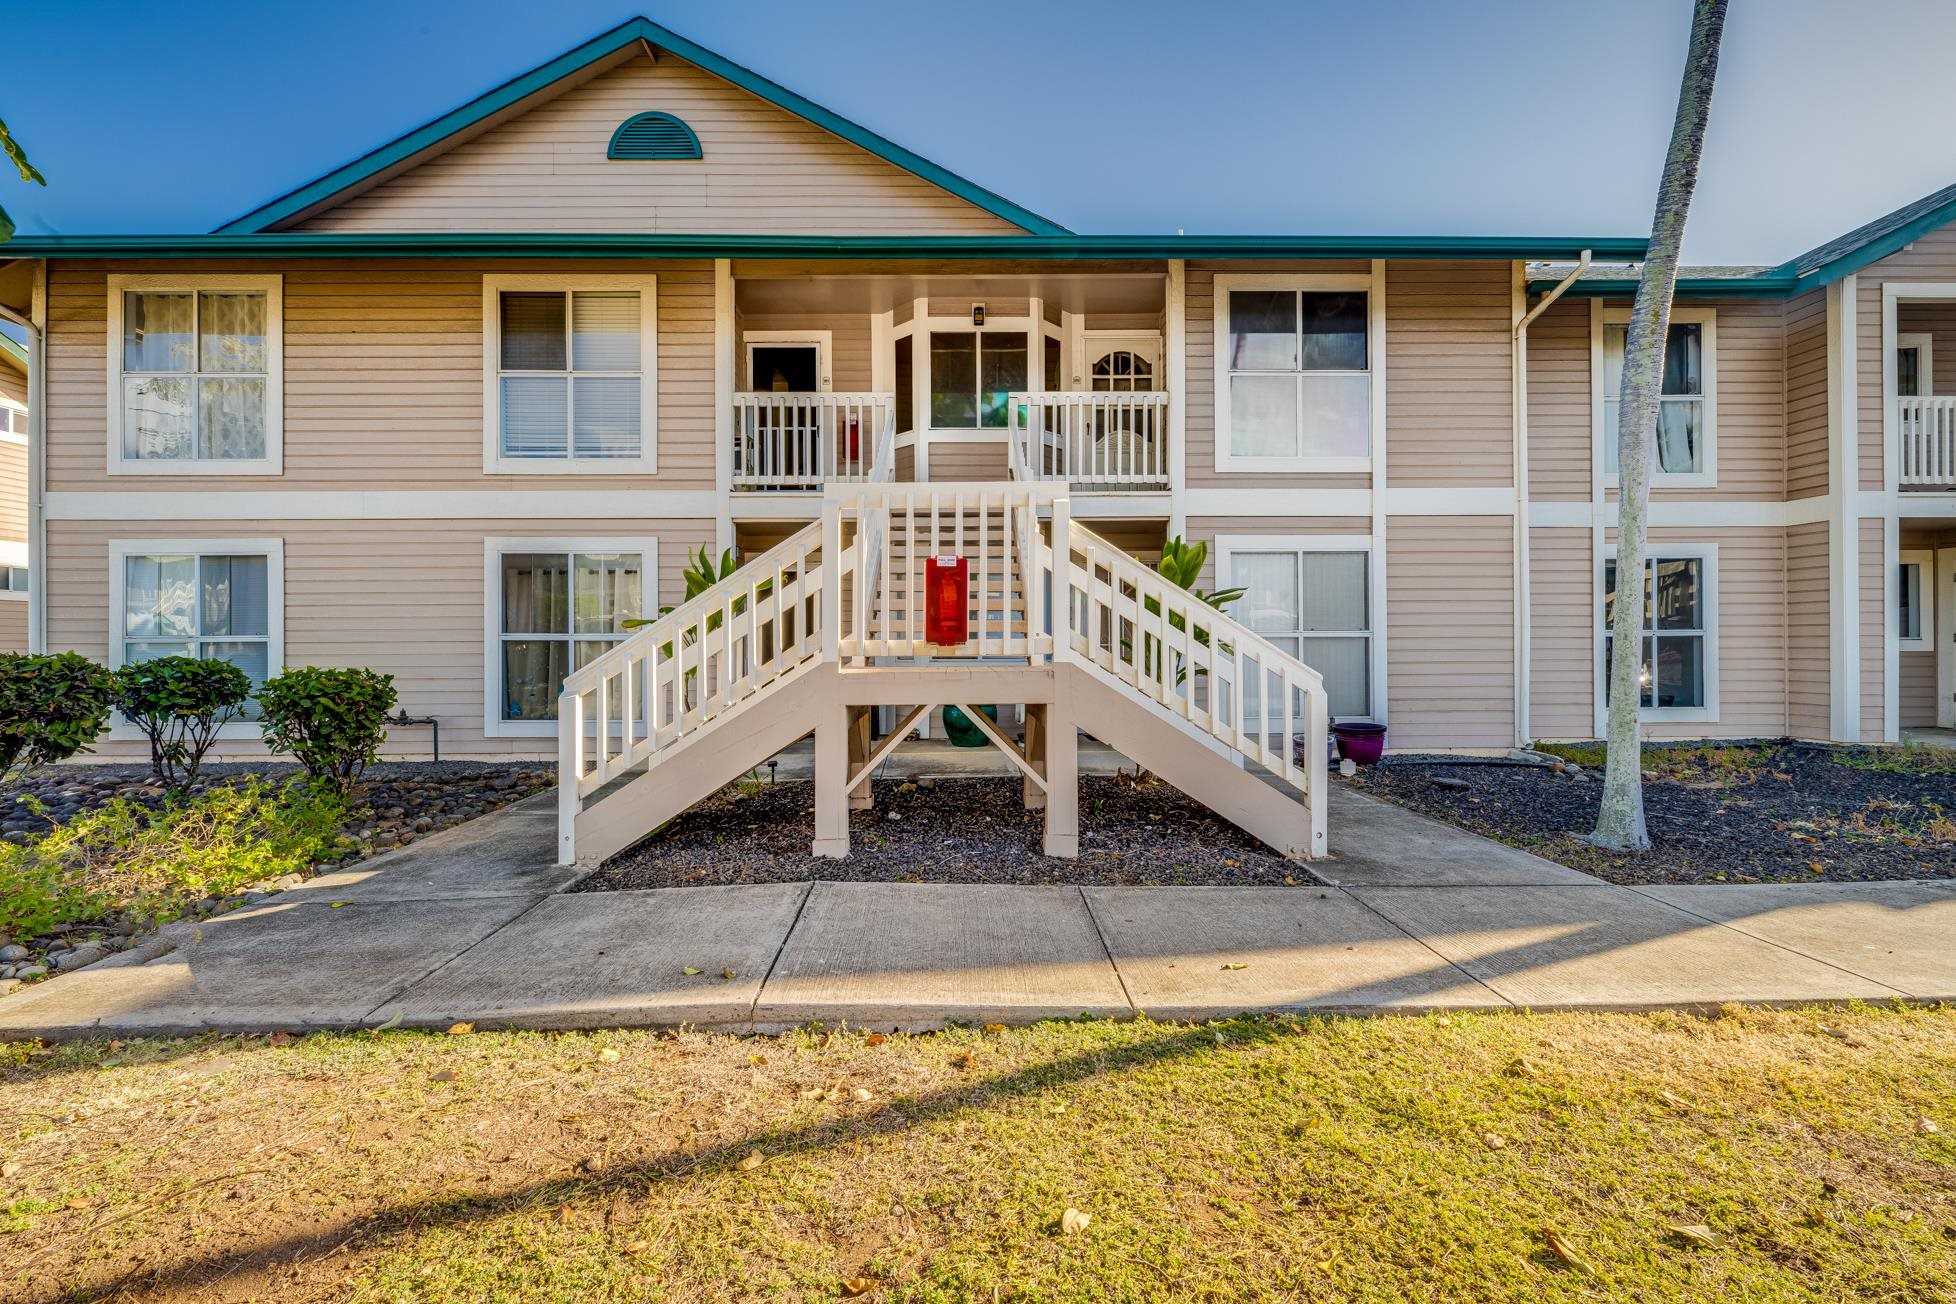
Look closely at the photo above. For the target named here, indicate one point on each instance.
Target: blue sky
(1500, 116)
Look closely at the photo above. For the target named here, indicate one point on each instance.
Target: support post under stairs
(832, 782)
(1061, 748)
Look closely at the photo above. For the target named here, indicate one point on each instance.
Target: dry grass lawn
(1811, 1155)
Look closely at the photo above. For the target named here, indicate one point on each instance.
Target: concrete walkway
(473, 925)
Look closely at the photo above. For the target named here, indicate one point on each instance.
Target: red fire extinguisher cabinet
(947, 588)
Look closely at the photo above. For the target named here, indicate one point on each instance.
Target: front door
(1123, 363)
(785, 368)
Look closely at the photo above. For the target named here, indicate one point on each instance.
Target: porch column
(1062, 770)
(723, 391)
(832, 782)
(1844, 525)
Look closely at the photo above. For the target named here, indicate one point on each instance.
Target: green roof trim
(14, 351)
(336, 244)
(511, 92)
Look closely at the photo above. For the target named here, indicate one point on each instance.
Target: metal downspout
(1524, 642)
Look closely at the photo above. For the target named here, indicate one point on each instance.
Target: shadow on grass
(900, 1115)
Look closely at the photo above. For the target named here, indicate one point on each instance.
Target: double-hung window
(195, 374)
(1312, 598)
(1678, 653)
(1687, 407)
(555, 605)
(569, 373)
(1295, 357)
(216, 598)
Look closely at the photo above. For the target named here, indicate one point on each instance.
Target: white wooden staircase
(804, 639)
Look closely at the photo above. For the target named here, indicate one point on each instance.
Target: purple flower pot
(1360, 741)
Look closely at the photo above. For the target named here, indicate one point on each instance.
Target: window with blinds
(572, 372)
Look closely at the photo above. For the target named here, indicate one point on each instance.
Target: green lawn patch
(1808, 1155)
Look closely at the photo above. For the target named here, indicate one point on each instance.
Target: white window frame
(822, 341)
(13, 556)
(273, 551)
(1706, 554)
(1373, 287)
(273, 462)
(493, 724)
(1924, 344)
(493, 461)
(1706, 476)
(16, 431)
(1228, 545)
(1926, 605)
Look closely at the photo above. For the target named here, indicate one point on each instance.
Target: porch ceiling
(1125, 292)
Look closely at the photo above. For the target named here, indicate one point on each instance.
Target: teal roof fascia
(333, 244)
(537, 79)
(13, 349)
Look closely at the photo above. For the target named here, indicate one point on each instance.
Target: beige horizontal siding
(1808, 661)
(13, 491)
(1562, 598)
(13, 381)
(1199, 307)
(968, 461)
(13, 625)
(405, 597)
(1751, 431)
(1450, 636)
(1559, 416)
(763, 170)
(1874, 628)
(383, 377)
(1449, 374)
(1751, 613)
(1917, 690)
(1806, 395)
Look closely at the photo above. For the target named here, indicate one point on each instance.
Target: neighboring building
(13, 496)
(458, 408)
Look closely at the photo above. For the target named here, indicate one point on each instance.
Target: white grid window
(1675, 664)
(1685, 451)
(1295, 368)
(1315, 605)
(570, 373)
(559, 611)
(195, 374)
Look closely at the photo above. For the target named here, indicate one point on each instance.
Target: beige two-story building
(465, 406)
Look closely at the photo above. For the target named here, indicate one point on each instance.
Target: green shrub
(50, 708)
(148, 864)
(333, 721)
(180, 703)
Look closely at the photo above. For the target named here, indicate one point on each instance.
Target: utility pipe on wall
(1523, 596)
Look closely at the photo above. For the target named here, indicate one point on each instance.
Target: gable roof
(1819, 266)
(599, 52)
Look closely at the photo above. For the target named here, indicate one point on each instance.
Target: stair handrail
(712, 652)
(1170, 629)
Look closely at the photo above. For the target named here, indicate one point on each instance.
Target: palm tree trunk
(1620, 822)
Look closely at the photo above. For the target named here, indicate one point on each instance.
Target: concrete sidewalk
(1411, 914)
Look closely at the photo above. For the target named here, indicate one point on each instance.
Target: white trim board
(493, 548)
(381, 504)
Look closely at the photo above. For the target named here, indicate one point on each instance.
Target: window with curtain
(198, 605)
(1315, 605)
(195, 370)
(971, 373)
(1297, 373)
(1674, 667)
(571, 366)
(1681, 416)
(560, 610)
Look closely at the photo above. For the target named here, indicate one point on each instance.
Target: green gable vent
(653, 136)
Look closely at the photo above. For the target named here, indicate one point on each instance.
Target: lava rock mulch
(1775, 813)
(973, 830)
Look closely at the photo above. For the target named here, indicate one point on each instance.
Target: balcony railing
(1927, 445)
(805, 441)
(1090, 440)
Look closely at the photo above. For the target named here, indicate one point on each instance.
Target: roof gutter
(1524, 649)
